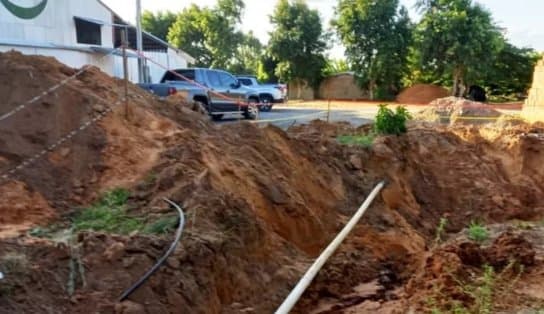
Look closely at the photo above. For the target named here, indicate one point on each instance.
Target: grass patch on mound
(108, 214)
(364, 140)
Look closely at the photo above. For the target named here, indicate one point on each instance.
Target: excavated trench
(260, 205)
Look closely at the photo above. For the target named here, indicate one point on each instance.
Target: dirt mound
(260, 203)
(463, 274)
(458, 111)
(421, 94)
(73, 173)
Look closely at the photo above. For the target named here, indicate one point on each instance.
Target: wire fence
(63, 139)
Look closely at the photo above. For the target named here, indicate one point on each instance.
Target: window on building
(88, 32)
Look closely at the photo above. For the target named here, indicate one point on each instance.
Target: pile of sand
(458, 110)
(421, 94)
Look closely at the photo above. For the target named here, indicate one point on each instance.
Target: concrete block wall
(533, 108)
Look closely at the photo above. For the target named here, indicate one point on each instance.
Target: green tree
(456, 39)
(297, 42)
(335, 66)
(209, 34)
(377, 35)
(266, 68)
(247, 56)
(512, 71)
(158, 24)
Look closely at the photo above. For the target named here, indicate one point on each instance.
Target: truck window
(245, 81)
(169, 76)
(226, 79)
(213, 78)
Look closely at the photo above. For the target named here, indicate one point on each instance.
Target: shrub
(391, 122)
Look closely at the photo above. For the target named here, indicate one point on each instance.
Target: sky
(521, 18)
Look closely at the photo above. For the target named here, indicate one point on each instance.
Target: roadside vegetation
(454, 44)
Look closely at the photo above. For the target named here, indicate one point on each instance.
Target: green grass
(364, 140)
(109, 215)
(162, 226)
(477, 232)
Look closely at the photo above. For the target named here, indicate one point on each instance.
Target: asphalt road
(356, 113)
(285, 116)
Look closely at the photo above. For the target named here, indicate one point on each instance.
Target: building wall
(170, 60)
(55, 25)
(75, 59)
(300, 91)
(341, 86)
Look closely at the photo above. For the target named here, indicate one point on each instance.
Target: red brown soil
(421, 94)
(515, 254)
(260, 203)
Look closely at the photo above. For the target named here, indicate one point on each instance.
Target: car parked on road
(269, 94)
(219, 92)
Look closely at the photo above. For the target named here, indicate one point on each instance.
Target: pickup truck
(218, 91)
(268, 93)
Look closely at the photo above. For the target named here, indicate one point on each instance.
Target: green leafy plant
(391, 122)
(109, 214)
(477, 232)
(364, 140)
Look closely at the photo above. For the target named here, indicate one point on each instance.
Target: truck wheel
(217, 117)
(267, 103)
(252, 111)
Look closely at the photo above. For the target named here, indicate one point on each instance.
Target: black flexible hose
(153, 269)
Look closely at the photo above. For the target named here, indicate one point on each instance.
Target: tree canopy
(158, 24)
(297, 43)
(458, 39)
(209, 34)
(376, 35)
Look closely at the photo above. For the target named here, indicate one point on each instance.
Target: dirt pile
(260, 203)
(421, 94)
(490, 276)
(455, 110)
(255, 197)
(460, 173)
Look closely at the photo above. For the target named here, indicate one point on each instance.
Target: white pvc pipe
(301, 286)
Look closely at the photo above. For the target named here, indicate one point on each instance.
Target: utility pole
(139, 41)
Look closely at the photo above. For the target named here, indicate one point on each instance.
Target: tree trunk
(371, 88)
(458, 82)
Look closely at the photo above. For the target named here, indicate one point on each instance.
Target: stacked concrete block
(533, 108)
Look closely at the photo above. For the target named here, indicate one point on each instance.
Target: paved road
(286, 116)
(357, 114)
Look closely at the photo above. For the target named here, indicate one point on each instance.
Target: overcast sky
(522, 18)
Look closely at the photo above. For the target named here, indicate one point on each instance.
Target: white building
(79, 32)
